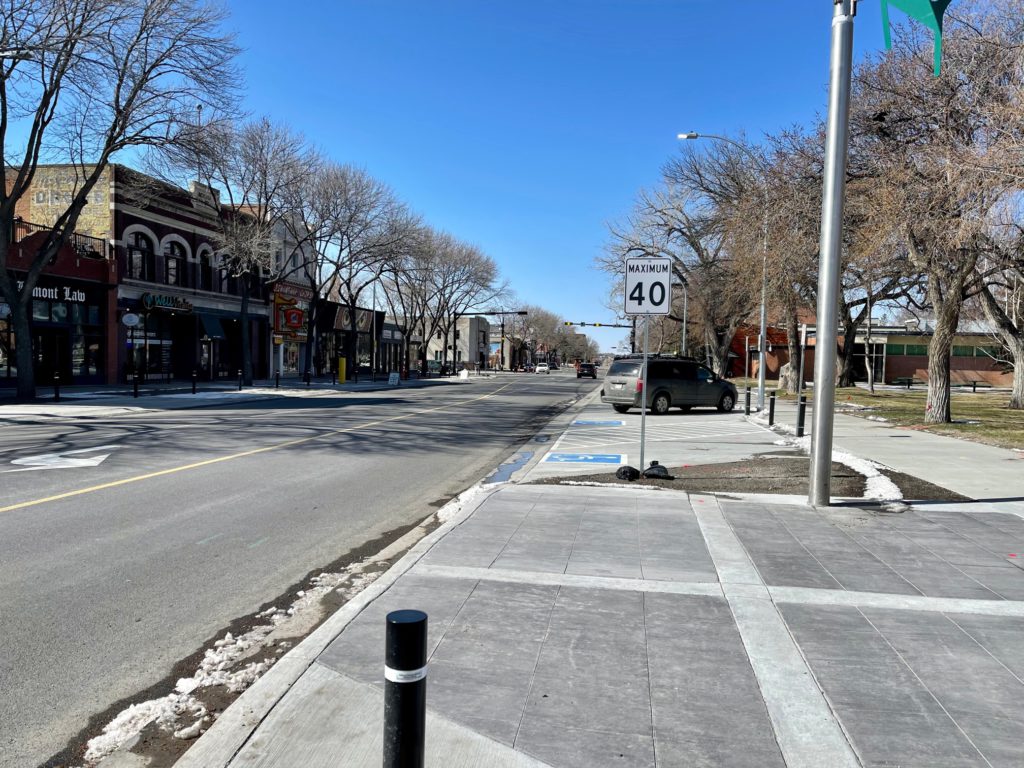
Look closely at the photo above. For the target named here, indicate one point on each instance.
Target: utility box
(341, 368)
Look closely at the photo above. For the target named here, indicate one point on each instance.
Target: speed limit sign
(648, 286)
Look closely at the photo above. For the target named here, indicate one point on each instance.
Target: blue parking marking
(593, 423)
(585, 458)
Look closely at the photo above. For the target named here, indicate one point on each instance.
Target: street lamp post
(762, 342)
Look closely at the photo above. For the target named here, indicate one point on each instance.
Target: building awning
(211, 326)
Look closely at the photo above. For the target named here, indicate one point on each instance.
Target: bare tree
(939, 149)
(85, 79)
(251, 172)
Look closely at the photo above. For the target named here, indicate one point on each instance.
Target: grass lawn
(982, 417)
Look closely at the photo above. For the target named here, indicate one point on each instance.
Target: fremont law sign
(648, 286)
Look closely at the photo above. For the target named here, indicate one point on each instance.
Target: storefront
(334, 328)
(67, 322)
(175, 338)
(290, 304)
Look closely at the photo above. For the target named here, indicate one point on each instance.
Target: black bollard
(405, 689)
(801, 413)
(334, 377)
(135, 385)
(194, 377)
(277, 380)
(239, 379)
(56, 387)
(746, 403)
(771, 409)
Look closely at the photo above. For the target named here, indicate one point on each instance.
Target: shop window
(93, 314)
(920, 350)
(992, 353)
(141, 258)
(174, 263)
(895, 350)
(59, 312)
(41, 310)
(963, 351)
(205, 276)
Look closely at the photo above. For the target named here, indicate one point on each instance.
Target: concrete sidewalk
(978, 471)
(104, 401)
(594, 626)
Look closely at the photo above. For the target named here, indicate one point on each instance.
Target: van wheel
(621, 408)
(727, 403)
(660, 404)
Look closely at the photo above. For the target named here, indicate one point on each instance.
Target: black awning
(211, 326)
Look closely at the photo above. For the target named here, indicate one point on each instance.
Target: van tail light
(639, 385)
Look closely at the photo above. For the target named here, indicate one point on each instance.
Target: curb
(232, 730)
(239, 722)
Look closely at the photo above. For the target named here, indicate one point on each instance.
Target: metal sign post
(643, 402)
(648, 291)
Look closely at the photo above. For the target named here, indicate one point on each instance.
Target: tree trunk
(846, 354)
(243, 318)
(790, 372)
(352, 343)
(1017, 393)
(23, 351)
(1013, 337)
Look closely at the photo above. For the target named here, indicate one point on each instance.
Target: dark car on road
(672, 382)
(586, 369)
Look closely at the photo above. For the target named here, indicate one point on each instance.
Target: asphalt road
(111, 573)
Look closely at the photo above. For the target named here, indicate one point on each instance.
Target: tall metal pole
(833, 198)
(643, 401)
(685, 326)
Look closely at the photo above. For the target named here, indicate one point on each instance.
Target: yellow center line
(243, 454)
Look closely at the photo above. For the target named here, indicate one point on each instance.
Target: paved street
(111, 571)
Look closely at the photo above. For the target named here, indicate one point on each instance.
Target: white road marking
(63, 460)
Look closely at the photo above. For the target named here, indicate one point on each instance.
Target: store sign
(56, 293)
(130, 319)
(293, 317)
(162, 301)
(293, 291)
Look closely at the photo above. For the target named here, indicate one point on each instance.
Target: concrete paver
(586, 626)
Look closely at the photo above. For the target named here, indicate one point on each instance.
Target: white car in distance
(542, 368)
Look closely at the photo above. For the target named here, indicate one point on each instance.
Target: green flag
(928, 12)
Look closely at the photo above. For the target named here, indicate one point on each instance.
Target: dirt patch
(778, 473)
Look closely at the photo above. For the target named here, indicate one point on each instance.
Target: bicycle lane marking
(240, 455)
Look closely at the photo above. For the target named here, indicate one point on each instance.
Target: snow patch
(456, 505)
(223, 664)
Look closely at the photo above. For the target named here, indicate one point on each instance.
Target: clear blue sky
(525, 125)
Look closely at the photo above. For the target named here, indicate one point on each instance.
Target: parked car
(586, 369)
(672, 382)
(542, 368)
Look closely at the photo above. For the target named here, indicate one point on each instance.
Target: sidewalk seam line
(536, 666)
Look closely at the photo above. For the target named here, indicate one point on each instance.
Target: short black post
(239, 379)
(974, 387)
(277, 380)
(334, 377)
(801, 413)
(56, 387)
(746, 403)
(308, 378)
(194, 377)
(135, 385)
(405, 689)
(909, 382)
(771, 409)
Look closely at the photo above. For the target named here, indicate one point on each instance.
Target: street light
(762, 337)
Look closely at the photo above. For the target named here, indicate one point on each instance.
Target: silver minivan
(678, 382)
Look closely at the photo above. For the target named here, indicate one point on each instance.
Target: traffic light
(566, 323)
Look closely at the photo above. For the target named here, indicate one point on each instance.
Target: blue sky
(526, 126)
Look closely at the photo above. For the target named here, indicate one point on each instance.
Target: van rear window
(624, 368)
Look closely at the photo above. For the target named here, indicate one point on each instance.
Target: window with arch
(206, 271)
(141, 257)
(174, 263)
